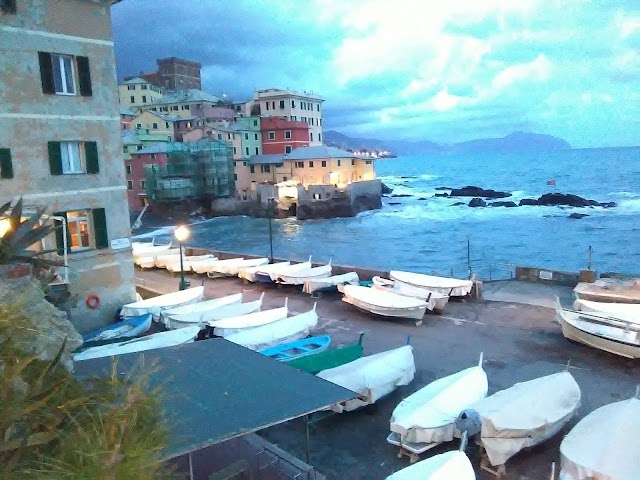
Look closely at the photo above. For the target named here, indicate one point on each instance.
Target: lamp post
(271, 202)
(181, 233)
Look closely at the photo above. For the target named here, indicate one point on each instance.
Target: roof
(267, 159)
(279, 92)
(320, 151)
(163, 147)
(165, 117)
(186, 96)
(244, 391)
(135, 81)
(133, 136)
(127, 111)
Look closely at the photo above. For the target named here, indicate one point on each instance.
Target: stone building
(60, 143)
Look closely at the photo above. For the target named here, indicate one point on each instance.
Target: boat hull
(287, 352)
(452, 287)
(328, 359)
(127, 328)
(450, 466)
(416, 313)
(616, 347)
(155, 305)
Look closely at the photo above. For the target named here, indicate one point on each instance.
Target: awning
(215, 390)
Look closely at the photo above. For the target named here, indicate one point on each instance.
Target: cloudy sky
(442, 70)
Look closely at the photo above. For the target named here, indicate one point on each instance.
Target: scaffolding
(194, 170)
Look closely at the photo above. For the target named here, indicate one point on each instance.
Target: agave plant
(21, 234)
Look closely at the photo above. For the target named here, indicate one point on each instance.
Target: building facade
(192, 103)
(282, 136)
(138, 92)
(179, 74)
(157, 124)
(60, 144)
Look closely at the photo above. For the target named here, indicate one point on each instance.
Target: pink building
(136, 183)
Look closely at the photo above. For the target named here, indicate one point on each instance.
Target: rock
(471, 191)
(386, 190)
(457, 204)
(441, 195)
(423, 198)
(503, 204)
(395, 203)
(528, 201)
(477, 202)
(550, 199)
(443, 188)
(608, 204)
(401, 195)
(578, 216)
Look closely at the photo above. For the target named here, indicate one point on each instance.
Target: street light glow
(181, 233)
(5, 226)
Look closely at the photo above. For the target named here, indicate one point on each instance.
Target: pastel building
(282, 136)
(134, 140)
(138, 92)
(192, 103)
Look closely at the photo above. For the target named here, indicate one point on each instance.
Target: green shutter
(100, 228)
(60, 234)
(55, 158)
(84, 76)
(46, 73)
(91, 152)
(6, 167)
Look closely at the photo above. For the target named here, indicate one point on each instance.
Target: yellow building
(187, 103)
(137, 92)
(157, 124)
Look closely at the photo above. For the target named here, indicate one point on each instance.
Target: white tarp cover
(204, 306)
(384, 303)
(249, 273)
(210, 265)
(156, 304)
(526, 414)
(273, 274)
(280, 331)
(446, 466)
(427, 415)
(173, 265)
(234, 267)
(435, 300)
(228, 326)
(299, 276)
(374, 376)
(311, 285)
(604, 445)
(453, 287)
(625, 311)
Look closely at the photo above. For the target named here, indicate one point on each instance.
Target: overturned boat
(230, 325)
(155, 305)
(327, 284)
(268, 275)
(249, 273)
(384, 303)
(435, 301)
(194, 313)
(298, 277)
(452, 287)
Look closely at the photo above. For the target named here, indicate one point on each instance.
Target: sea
(423, 233)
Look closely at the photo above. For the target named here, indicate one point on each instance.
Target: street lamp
(181, 233)
(5, 226)
(270, 205)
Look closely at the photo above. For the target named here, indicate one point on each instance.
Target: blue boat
(127, 328)
(286, 352)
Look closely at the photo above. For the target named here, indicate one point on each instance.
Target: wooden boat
(155, 305)
(232, 268)
(604, 445)
(127, 328)
(428, 415)
(372, 377)
(228, 326)
(270, 275)
(298, 277)
(435, 301)
(149, 342)
(249, 273)
(194, 310)
(173, 265)
(329, 358)
(215, 313)
(609, 290)
(452, 287)
(204, 266)
(624, 311)
(283, 330)
(329, 284)
(286, 352)
(612, 335)
(383, 303)
(446, 466)
(521, 416)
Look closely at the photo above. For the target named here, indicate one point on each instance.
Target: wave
(400, 179)
(625, 194)
(629, 206)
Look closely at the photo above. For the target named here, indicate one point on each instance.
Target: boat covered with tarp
(452, 287)
(623, 311)
(446, 466)
(435, 301)
(249, 273)
(312, 285)
(155, 305)
(384, 303)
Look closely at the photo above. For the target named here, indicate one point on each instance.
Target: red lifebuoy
(93, 301)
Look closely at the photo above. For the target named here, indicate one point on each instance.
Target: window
(187, 107)
(244, 164)
(267, 105)
(353, 162)
(155, 126)
(139, 147)
(279, 165)
(246, 136)
(273, 105)
(229, 136)
(304, 119)
(311, 136)
(235, 176)
(219, 136)
(256, 136)
(153, 156)
(272, 135)
(324, 163)
(246, 150)
(8, 6)
(310, 164)
(174, 108)
(143, 184)
(255, 123)
(317, 196)
(6, 166)
(132, 99)
(144, 99)
(128, 169)
(235, 151)
(131, 87)
(78, 230)
(281, 104)
(313, 121)
(257, 150)
(287, 134)
(188, 124)
(293, 104)
(252, 168)
(320, 137)
(129, 184)
(299, 164)
(368, 162)
(338, 162)
(294, 118)
(166, 124)
(85, 229)
(265, 168)
(303, 106)
(64, 74)
(73, 157)
(287, 149)
(319, 122)
(318, 107)
(143, 87)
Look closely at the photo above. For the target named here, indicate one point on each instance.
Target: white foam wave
(625, 194)
(400, 179)
(629, 206)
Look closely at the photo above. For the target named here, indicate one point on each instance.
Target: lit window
(287, 134)
(79, 230)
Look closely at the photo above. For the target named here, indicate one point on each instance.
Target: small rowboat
(435, 301)
(383, 303)
(286, 352)
(298, 277)
(446, 466)
(624, 311)
(204, 266)
(127, 328)
(228, 326)
(232, 268)
(249, 273)
(268, 275)
(201, 318)
(155, 305)
(173, 265)
(453, 287)
(329, 358)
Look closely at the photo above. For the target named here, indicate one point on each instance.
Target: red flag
(551, 182)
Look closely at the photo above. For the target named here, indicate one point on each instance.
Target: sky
(439, 70)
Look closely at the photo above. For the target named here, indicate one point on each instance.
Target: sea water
(424, 233)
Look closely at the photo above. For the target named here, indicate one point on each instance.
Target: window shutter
(6, 167)
(55, 158)
(46, 73)
(100, 228)
(91, 153)
(60, 234)
(84, 76)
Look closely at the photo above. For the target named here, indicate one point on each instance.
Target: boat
(298, 277)
(329, 358)
(267, 275)
(612, 335)
(148, 260)
(609, 290)
(604, 445)
(435, 301)
(249, 273)
(383, 303)
(155, 305)
(173, 264)
(372, 377)
(149, 342)
(235, 309)
(195, 310)
(232, 268)
(328, 284)
(286, 352)
(127, 328)
(163, 258)
(624, 311)
(283, 330)
(521, 416)
(230, 325)
(149, 249)
(428, 415)
(203, 266)
(453, 287)
(453, 465)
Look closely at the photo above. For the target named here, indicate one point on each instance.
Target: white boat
(150, 342)
(194, 311)
(372, 377)
(435, 300)
(298, 277)
(232, 268)
(612, 335)
(453, 287)
(383, 303)
(624, 311)
(148, 249)
(249, 273)
(203, 266)
(281, 331)
(217, 313)
(446, 466)
(173, 264)
(230, 325)
(523, 415)
(428, 415)
(604, 445)
(155, 305)
(163, 258)
(312, 285)
(148, 260)
(286, 270)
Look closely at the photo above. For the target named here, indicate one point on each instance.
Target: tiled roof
(320, 151)
(186, 96)
(266, 159)
(135, 81)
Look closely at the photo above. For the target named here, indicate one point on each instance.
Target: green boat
(329, 358)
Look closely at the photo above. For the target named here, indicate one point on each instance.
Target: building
(134, 140)
(158, 124)
(137, 92)
(179, 74)
(295, 106)
(61, 147)
(192, 103)
(126, 115)
(280, 135)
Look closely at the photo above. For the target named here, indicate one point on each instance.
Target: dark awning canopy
(215, 390)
